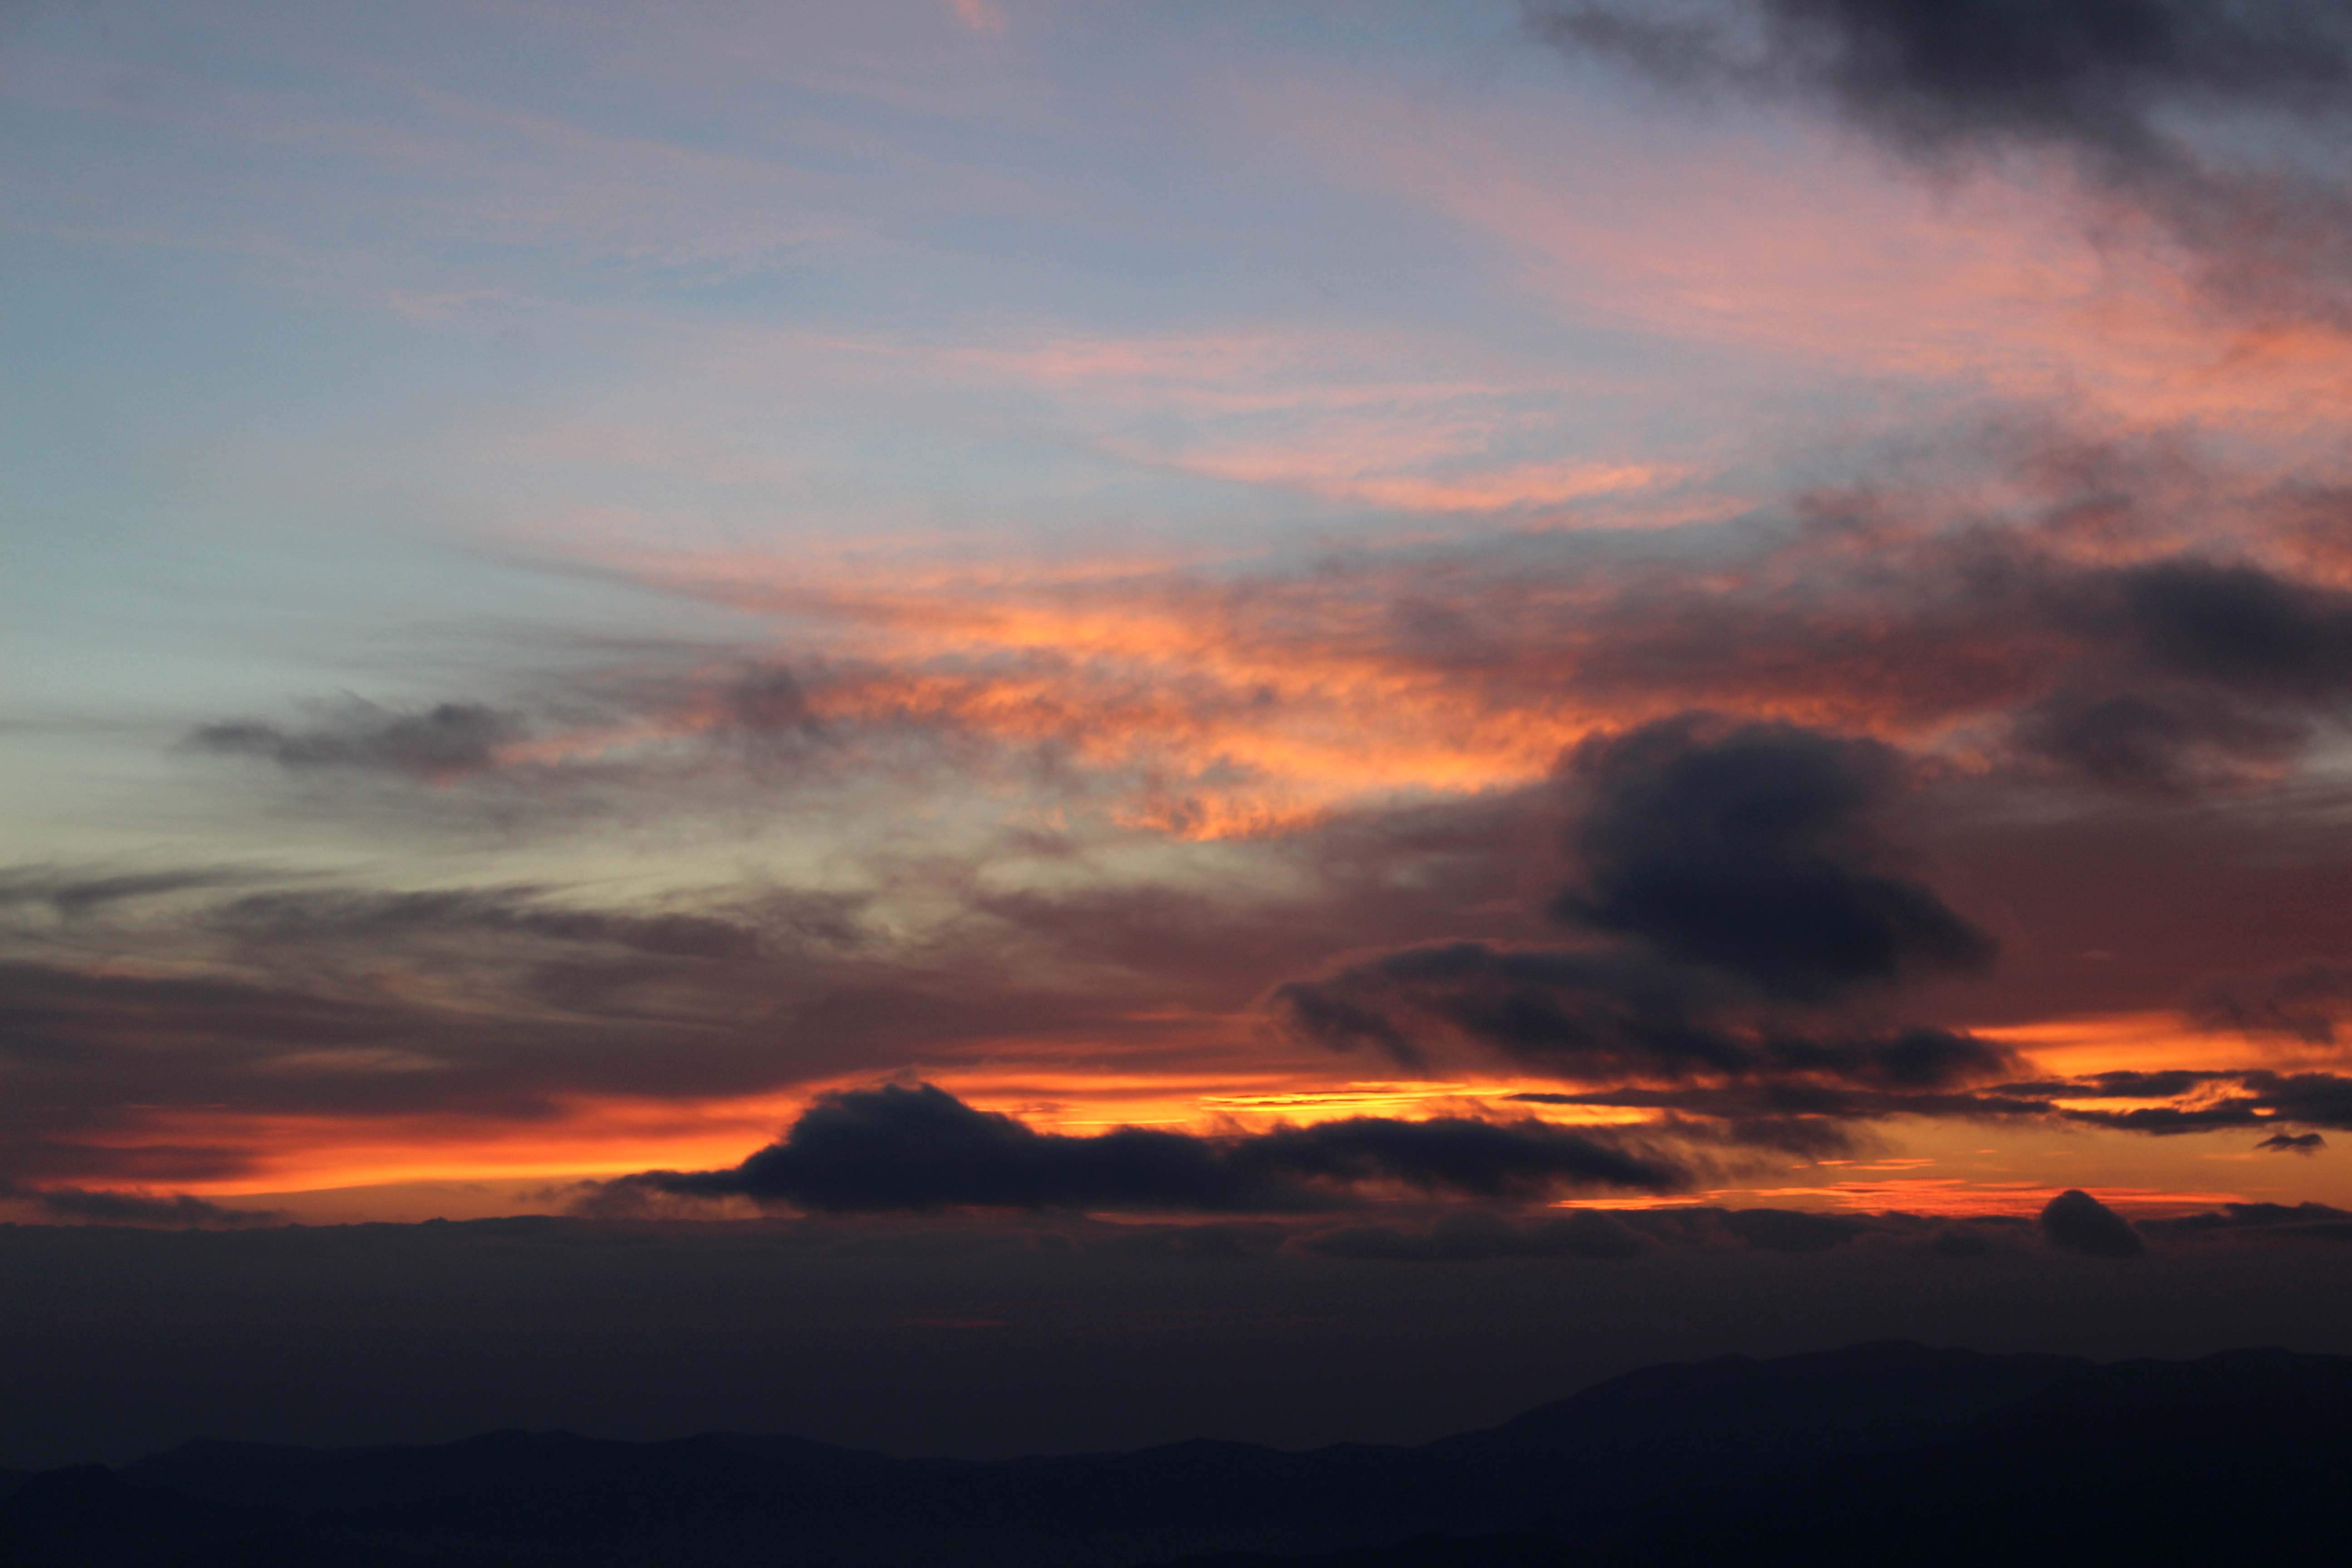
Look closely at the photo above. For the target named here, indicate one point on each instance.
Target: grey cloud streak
(178, 1211)
(447, 740)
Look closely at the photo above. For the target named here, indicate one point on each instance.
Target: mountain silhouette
(1889, 1452)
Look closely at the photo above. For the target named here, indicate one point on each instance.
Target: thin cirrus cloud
(1383, 417)
(1981, 284)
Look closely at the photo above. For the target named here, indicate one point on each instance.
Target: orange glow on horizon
(1074, 1089)
(2086, 1045)
(611, 1137)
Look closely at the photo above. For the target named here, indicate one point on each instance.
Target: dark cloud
(2264, 1099)
(2151, 101)
(2164, 1121)
(1738, 868)
(2235, 626)
(1807, 1117)
(366, 917)
(2312, 1098)
(2169, 674)
(448, 740)
(1754, 849)
(1597, 1016)
(2294, 1143)
(2077, 1222)
(2303, 1001)
(2122, 1084)
(1810, 1119)
(2195, 669)
(70, 894)
(2096, 73)
(915, 1148)
(2157, 742)
(180, 1211)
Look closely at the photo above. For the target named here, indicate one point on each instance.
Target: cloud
(2232, 624)
(2077, 1222)
(2092, 73)
(1734, 865)
(179, 1211)
(2151, 101)
(2303, 1001)
(2294, 1143)
(2282, 1222)
(1600, 1015)
(1206, 706)
(2198, 667)
(1805, 1116)
(900, 1147)
(2264, 1099)
(448, 740)
(1751, 850)
(2156, 743)
(70, 895)
(345, 915)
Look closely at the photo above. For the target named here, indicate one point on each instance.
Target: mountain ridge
(1671, 1463)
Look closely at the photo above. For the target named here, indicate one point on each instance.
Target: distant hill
(1881, 1453)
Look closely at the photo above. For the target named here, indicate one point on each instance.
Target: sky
(1367, 617)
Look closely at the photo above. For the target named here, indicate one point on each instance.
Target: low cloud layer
(916, 1147)
(177, 1211)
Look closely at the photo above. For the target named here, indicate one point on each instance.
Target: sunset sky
(1172, 609)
